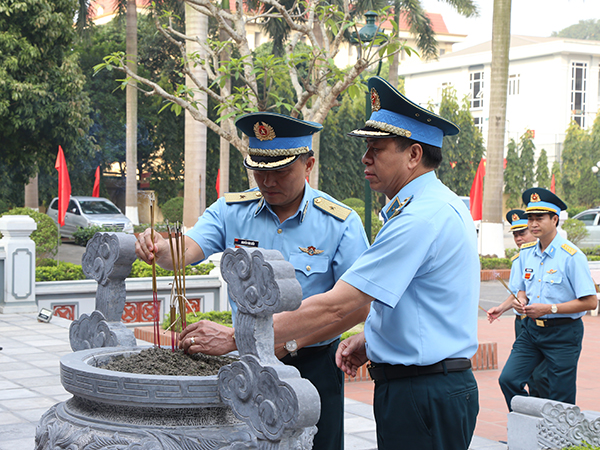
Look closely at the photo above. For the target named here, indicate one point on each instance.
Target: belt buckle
(522, 316)
(540, 323)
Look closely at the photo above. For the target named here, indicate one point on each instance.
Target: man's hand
(207, 337)
(351, 354)
(147, 250)
(494, 313)
(536, 310)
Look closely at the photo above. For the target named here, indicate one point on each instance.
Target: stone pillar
(17, 265)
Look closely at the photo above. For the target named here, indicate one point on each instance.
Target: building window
(513, 84)
(476, 89)
(478, 122)
(578, 88)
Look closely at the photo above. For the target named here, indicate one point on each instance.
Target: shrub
(83, 235)
(576, 230)
(173, 210)
(494, 263)
(46, 234)
(3, 206)
(140, 270)
(58, 272)
(510, 252)
(354, 203)
(159, 226)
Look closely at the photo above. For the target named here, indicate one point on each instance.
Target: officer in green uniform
(555, 288)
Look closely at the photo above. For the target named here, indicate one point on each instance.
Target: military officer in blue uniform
(422, 276)
(555, 288)
(318, 235)
(538, 383)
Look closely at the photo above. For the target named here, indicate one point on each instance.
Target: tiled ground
(491, 422)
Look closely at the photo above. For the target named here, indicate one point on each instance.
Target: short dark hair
(432, 156)
(304, 156)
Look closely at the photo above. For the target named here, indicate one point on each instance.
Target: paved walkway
(30, 380)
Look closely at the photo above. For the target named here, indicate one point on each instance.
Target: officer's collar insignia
(515, 217)
(393, 207)
(401, 206)
(551, 271)
(375, 102)
(311, 250)
(304, 212)
(535, 197)
(259, 206)
(264, 132)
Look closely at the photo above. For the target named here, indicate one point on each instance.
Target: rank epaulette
(529, 244)
(336, 210)
(401, 206)
(514, 257)
(567, 248)
(239, 197)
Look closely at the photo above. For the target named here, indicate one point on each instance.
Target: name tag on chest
(237, 242)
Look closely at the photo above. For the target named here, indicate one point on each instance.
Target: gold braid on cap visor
(388, 128)
(540, 210)
(278, 151)
(281, 162)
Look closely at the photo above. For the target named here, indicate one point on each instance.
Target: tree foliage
(527, 159)
(462, 152)
(585, 29)
(513, 176)
(542, 172)
(42, 102)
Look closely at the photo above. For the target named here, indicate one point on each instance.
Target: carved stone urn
(255, 402)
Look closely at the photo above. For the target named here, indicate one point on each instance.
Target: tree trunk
(491, 235)
(224, 143)
(31, 194)
(131, 208)
(194, 195)
(393, 75)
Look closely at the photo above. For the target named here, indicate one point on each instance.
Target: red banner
(64, 185)
(96, 191)
(553, 185)
(217, 187)
(476, 194)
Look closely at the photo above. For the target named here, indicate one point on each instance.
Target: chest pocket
(309, 265)
(552, 278)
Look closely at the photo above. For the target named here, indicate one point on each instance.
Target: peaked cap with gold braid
(275, 140)
(540, 201)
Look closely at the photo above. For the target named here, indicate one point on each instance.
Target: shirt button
(540, 280)
(279, 231)
(308, 268)
(538, 296)
(541, 264)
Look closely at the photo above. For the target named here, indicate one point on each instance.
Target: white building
(551, 82)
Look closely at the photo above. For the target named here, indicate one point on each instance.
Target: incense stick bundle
(154, 288)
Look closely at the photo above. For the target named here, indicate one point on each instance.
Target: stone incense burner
(255, 402)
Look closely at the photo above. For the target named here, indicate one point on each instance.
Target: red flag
(96, 191)
(217, 187)
(476, 194)
(553, 185)
(64, 185)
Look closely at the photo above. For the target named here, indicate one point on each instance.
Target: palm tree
(131, 106)
(491, 231)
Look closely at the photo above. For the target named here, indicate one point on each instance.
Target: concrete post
(17, 265)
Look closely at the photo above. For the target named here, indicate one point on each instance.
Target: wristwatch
(292, 347)
(554, 309)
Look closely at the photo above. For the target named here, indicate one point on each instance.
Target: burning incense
(154, 288)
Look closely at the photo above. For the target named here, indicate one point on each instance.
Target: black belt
(379, 371)
(553, 322)
(306, 352)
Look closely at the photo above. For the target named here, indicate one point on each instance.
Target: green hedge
(83, 235)
(46, 234)
(50, 270)
(495, 263)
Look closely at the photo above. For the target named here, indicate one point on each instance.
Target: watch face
(554, 309)
(291, 346)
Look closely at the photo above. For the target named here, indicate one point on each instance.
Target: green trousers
(427, 412)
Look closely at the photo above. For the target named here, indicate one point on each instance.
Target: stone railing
(537, 423)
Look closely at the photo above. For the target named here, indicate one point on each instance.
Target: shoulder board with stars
(567, 248)
(514, 257)
(336, 210)
(239, 197)
(529, 244)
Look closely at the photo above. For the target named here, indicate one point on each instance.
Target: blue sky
(528, 17)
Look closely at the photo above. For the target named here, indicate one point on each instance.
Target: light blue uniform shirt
(423, 272)
(337, 243)
(554, 276)
(512, 281)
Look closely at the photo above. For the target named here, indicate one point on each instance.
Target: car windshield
(98, 207)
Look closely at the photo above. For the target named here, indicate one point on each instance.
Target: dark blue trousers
(560, 346)
(427, 412)
(538, 382)
(320, 369)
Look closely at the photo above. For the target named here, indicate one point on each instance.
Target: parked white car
(591, 219)
(89, 211)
